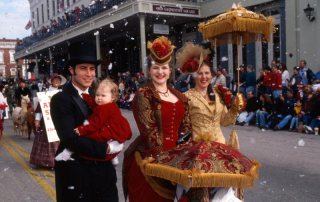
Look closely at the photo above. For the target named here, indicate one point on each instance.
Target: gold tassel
(233, 139)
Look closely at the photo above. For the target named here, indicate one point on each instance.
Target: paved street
(289, 166)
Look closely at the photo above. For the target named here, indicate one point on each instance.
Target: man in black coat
(22, 90)
(87, 176)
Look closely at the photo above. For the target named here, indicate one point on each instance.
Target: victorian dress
(160, 123)
(43, 152)
(105, 123)
(207, 117)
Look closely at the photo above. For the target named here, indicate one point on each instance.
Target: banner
(44, 101)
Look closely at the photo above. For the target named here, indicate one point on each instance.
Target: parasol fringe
(234, 140)
(188, 178)
(227, 179)
(255, 169)
(165, 193)
(233, 23)
(183, 177)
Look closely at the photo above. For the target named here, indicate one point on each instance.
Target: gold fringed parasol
(237, 26)
(243, 25)
(202, 164)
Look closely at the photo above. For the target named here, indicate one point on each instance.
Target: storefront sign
(160, 29)
(44, 100)
(177, 10)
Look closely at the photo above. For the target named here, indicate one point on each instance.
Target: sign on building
(160, 29)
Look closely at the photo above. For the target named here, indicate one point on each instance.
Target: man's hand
(114, 147)
(76, 130)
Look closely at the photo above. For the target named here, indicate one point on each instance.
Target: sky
(14, 15)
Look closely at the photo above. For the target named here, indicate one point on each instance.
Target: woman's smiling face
(203, 77)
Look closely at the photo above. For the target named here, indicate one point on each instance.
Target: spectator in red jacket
(276, 82)
(267, 80)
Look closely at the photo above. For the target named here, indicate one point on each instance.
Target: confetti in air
(224, 59)
(301, 143)
(110, 66)
(179, 6)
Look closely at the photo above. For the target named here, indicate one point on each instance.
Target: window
(58, 6)
(11, 52)
(33, 20)
(53, 8)
(48, 10)
(1, 56)
(38, 21)
(42, 14)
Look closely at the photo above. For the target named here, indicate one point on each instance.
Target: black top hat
(83, 52)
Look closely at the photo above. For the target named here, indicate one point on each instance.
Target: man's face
(22, 84)
(301, 63)
(83, 75)
(250, 94)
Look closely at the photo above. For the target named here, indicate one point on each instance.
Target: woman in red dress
(161, 114)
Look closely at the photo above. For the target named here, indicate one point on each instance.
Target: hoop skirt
(43, 152)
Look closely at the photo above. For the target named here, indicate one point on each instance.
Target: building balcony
(112, 21)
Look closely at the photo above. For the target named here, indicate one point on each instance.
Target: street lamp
(309, 11)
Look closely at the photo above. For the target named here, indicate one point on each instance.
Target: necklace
(165, 94)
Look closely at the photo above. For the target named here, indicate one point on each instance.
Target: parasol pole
(233, 139)
(239, 60)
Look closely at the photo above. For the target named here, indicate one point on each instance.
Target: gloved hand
(240, 102)
(65, 155)
(115, 147)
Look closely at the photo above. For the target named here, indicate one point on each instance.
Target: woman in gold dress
(209, 107)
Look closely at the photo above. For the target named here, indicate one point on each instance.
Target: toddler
(105, 124)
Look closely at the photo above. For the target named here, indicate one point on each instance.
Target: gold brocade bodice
(206, 118)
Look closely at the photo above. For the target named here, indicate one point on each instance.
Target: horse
(20, 116)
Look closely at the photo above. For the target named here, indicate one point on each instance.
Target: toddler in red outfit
(106, 123)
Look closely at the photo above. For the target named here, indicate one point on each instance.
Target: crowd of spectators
(278, 101)
(70, 18)
(275, 100)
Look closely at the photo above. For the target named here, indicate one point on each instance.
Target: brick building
(7, 62)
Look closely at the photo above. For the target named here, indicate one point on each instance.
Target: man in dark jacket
(306, 74)
(287, 110)
(22, 90)
(86, 176)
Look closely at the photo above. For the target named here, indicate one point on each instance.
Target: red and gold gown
(159, 123)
